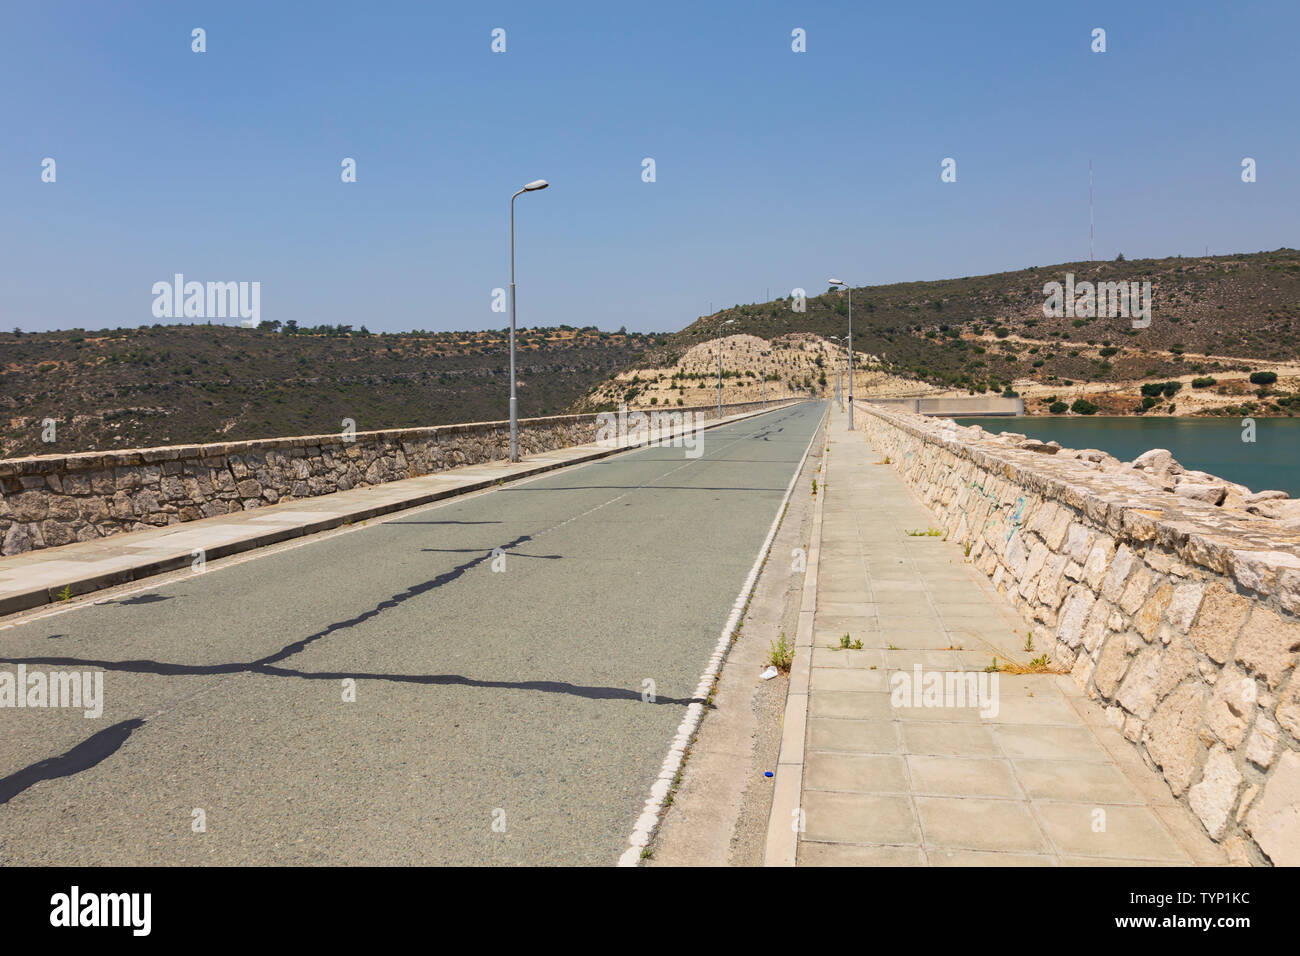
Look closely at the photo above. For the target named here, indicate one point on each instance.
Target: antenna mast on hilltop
(1091, 258)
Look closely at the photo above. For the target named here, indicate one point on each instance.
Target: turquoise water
(1204, 444)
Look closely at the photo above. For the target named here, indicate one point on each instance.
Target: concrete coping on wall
(80, 461)
(1258, 554)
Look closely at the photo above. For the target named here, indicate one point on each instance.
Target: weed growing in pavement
(1039, 665)
(781, 655)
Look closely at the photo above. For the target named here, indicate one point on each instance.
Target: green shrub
(1058, 408)
(1263, 378)
(1204, 382)
(1082, 406)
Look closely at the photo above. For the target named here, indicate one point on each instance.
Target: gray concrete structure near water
(950, 406)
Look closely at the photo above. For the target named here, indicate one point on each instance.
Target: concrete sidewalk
(1045, 781)
(36, 578)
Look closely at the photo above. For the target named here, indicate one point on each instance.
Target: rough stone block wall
(1178, 617)
(50, 500)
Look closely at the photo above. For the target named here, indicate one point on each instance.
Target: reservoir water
(1213, 445)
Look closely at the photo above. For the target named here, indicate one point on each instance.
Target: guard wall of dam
(955, 406)
(50, 500)
(1178, 617)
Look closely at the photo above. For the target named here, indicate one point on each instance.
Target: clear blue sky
(775, 169)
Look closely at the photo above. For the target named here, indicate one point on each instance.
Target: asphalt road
(498, 715)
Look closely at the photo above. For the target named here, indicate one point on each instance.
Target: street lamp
(535, 185)
(850, 291)
(720, 327)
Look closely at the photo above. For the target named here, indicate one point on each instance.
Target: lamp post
(514, 402)
(850, 291)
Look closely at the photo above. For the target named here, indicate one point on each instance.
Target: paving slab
(1023, 772)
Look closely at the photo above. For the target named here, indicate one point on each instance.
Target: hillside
(128, 388)
(1215, 321)
(1217, 318)
(799, 363)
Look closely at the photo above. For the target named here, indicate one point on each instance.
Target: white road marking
(652, 813)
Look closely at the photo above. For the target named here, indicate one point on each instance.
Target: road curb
(153, 564)
(652, 812)
(782, 836)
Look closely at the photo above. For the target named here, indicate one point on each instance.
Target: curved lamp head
(535, 185)
(835, 282)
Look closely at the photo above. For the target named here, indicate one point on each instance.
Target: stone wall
(1176, 611)
(49, 500)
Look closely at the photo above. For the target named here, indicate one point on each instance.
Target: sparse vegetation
(179, 384)
(1039, 665)
(781, 654)
(1247, 306)
(1082, 406)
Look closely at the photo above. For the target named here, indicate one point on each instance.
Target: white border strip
(652, 812)
(782, 844)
